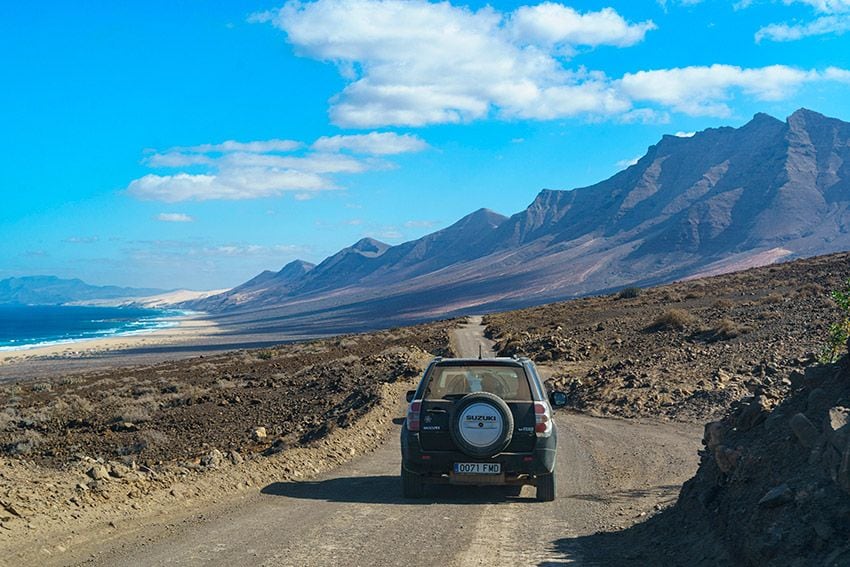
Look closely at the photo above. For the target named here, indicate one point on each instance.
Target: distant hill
(721, 200)
(50, 290)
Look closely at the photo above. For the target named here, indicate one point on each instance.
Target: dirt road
(611, 474)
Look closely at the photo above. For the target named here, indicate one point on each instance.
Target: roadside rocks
(124, 427)
(98, 472)
(774, 477)
(726, 458)
(752, 413)
(212, 460)
(778, 496)
(805, 432)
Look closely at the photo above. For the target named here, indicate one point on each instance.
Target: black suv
(480, 422)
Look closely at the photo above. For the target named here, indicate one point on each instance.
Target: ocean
(27, 326)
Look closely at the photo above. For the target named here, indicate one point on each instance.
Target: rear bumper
(437, 464)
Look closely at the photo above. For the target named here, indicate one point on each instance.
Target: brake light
(542, 420)
(413, 415)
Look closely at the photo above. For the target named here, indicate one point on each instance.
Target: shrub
(724, 304)
(629, 293)
(811, 290)
(838, 336)
(724, 330)
(672, 319)
(264, 355)
(772, 298)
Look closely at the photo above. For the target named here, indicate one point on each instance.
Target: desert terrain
(288, 455)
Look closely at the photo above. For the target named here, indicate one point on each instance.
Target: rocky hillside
(719, 201)
(686, 350)
(178, 411)
(773, 488)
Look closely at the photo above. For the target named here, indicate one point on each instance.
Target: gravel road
(611, 474)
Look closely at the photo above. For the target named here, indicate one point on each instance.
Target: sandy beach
(188, 328)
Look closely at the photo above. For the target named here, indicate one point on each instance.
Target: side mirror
(409, 395)
(558, 399)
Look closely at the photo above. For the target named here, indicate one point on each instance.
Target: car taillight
(413, 415)
(542, 420)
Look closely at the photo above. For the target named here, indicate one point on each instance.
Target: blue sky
(196, 143)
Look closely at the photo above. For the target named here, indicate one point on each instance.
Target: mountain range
(51, 290)
(720, 200)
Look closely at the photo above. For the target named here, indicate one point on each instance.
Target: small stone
(259, 434)
(212, 459)
(277, 447)
(98, 472)
(838, 417)
(753, 413)
(118, 470)
(713, 435)
(726, 458)
(235, 458)
(806, 433)
(778, 496)
(124, 427)
(9, 507)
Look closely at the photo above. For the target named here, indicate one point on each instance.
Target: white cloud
(833, 19)
(414, 63)
(624, 163)
(824, 25)
(663, 3)
(685, 134)
(261, 147)
(374, 143)
(704, 90)
(551, 24)
(174, 217)
(248, 183)
(250, 170)
(825, 6)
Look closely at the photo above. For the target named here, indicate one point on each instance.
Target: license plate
(478, 468)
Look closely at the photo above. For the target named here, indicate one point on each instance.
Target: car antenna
(479, 352)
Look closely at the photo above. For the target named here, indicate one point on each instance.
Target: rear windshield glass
(507, 382)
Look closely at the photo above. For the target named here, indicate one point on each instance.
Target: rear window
(507, 382)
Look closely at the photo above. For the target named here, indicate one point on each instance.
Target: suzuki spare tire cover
(481, 424)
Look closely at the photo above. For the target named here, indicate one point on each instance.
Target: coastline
(185, 328)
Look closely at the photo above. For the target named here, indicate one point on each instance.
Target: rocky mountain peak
(295, 269)
(369, 247)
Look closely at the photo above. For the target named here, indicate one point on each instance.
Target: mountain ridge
(52, 290)
(720, 199)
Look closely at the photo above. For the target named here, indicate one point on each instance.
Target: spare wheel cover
(482, 425)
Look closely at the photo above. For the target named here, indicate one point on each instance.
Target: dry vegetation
(181, 410)
(685, 350)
